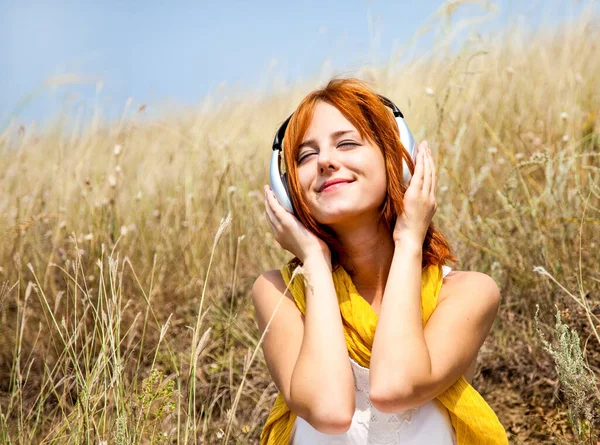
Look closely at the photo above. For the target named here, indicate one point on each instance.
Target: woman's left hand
(419, 200)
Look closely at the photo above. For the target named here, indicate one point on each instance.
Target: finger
(273, 228)
(276, 206)
(426, 171)
(417, 178)
(433, 175)
(280, 214)
(271, 217)
(269, 214)
(269, 198)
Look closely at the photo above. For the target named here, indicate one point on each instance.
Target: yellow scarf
(472, 418)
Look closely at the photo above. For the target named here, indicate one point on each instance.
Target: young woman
(375, 340)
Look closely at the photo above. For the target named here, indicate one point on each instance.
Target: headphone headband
(392, 105)
(280, 133)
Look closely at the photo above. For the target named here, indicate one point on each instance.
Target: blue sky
(181, 51)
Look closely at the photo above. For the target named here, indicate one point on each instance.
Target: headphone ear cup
(408, 141)
(287, 191)
(278, 183)
(285, 184)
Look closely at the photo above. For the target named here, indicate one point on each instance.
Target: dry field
(128, 249)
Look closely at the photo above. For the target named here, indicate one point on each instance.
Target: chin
(336, 216)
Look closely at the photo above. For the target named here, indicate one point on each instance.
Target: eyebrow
(332, 136)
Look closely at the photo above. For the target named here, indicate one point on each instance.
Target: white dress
(424, 425)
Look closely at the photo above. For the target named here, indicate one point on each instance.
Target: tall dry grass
(128, 250)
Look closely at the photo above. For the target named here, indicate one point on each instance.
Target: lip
(332, 182)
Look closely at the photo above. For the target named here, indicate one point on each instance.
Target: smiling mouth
(335, 186)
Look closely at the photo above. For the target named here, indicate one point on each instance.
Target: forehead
(325, 120)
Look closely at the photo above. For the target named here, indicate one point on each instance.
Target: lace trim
(381, 428)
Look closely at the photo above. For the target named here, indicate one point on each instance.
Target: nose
(327, 159)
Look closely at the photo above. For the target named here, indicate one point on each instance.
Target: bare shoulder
(269, 278)
(470, 282)
(266, 294)
(270, 285)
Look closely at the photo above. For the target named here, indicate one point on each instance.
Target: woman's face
(332, 149)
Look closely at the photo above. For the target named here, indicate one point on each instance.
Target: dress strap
(446, 270)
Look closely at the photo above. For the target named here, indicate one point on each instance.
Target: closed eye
(302, 158)
(344, 144)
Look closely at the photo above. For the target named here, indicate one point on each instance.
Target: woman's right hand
(291, 234)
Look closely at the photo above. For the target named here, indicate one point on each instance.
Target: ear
(278, 184)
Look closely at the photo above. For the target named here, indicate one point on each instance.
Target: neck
(369, 250)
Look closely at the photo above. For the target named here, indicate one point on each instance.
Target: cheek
(378, 178)
(380, 188)
(304, 180)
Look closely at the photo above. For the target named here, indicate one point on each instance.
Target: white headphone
(279, 182)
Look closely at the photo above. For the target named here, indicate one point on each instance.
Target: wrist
(408, 244)
(316, 261)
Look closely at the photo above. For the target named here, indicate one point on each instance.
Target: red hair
(375, 122)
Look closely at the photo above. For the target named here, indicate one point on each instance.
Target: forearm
(322, 383)
(399, 356)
